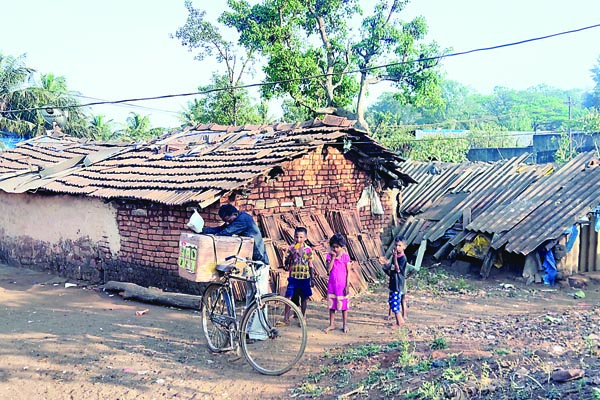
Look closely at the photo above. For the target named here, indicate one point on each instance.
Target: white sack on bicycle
(196, 222)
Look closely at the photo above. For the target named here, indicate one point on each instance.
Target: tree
(21, 93)
(592, 98)
(54, 92)
(228, 102)
(310, 47)
(226, 107)
(101, 128)
(458, 108)
(14, 76)
(537, 108)
(137, 128)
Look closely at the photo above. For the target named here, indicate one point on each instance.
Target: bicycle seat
(226, 268)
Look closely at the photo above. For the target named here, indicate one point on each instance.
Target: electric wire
(354, 71)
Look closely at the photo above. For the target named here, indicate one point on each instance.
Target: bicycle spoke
(274, 344)
(216, 318)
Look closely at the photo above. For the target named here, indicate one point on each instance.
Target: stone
(578, 281)
(565, 375)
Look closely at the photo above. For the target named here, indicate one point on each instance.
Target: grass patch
(438, 344)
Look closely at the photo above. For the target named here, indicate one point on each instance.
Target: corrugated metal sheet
(198, 164)
(555, 203)
(446, 192)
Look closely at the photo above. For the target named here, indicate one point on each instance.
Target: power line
(252, 85)
(126, 105)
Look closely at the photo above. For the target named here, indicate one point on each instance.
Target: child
(299, 261)
(398, 271)
(337, 288)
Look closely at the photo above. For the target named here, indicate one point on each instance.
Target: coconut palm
(14, 95)
(20, 93)
(137, 127)
(101, 128)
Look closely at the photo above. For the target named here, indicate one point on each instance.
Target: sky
(122, 49)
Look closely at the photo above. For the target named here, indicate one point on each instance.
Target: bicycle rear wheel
(217, 317)
(281, 341)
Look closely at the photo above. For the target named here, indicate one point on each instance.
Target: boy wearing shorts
(299, 262)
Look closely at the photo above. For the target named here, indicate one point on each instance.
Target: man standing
(242, 224)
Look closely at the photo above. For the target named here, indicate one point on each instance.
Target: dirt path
(82, 343)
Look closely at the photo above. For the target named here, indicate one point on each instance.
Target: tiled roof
(197, 164)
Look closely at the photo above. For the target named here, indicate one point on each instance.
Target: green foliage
(227, 107)
(137, 128)
(358, 353)
(459, 285)
(431, 391)
(19, 92)
(308, 389)
(589, 121)
(592, 98)
(457, 375)
(566, 150)
(294, 112)
(101, 128)
(435, 147)
(536, 108)
(316, 377)
(314, 40)
(233, 105)
(438, 344)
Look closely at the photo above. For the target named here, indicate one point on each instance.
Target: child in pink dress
(337, 288)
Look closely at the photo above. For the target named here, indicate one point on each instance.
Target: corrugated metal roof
(197, 164)
(548, 208)
(521, 207)
(446, 191)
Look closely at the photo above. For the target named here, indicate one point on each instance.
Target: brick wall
(323, 180)
(147, 243)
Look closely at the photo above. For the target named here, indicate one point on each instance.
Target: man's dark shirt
(243, 225)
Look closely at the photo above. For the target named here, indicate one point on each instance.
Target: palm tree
(136, 128)
(14, 79)
(19, 92)
(101, 128)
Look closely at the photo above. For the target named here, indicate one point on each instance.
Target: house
(110, 211)
(506, 213)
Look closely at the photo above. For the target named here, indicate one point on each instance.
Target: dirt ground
(78, 342)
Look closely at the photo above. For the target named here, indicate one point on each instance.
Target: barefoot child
(397, 272)
(337, 288)
(299, 261)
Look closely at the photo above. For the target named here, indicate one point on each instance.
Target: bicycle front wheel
(273, 335)
(217, 317)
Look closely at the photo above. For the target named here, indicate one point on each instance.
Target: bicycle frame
(227, 321)
(261, 332)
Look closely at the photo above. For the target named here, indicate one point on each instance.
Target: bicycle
(271, 343)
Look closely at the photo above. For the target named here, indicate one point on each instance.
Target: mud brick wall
(62, 234)
(150, 232)
(323, 180)
(77, 259)
(138, 241)
(149, 249)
